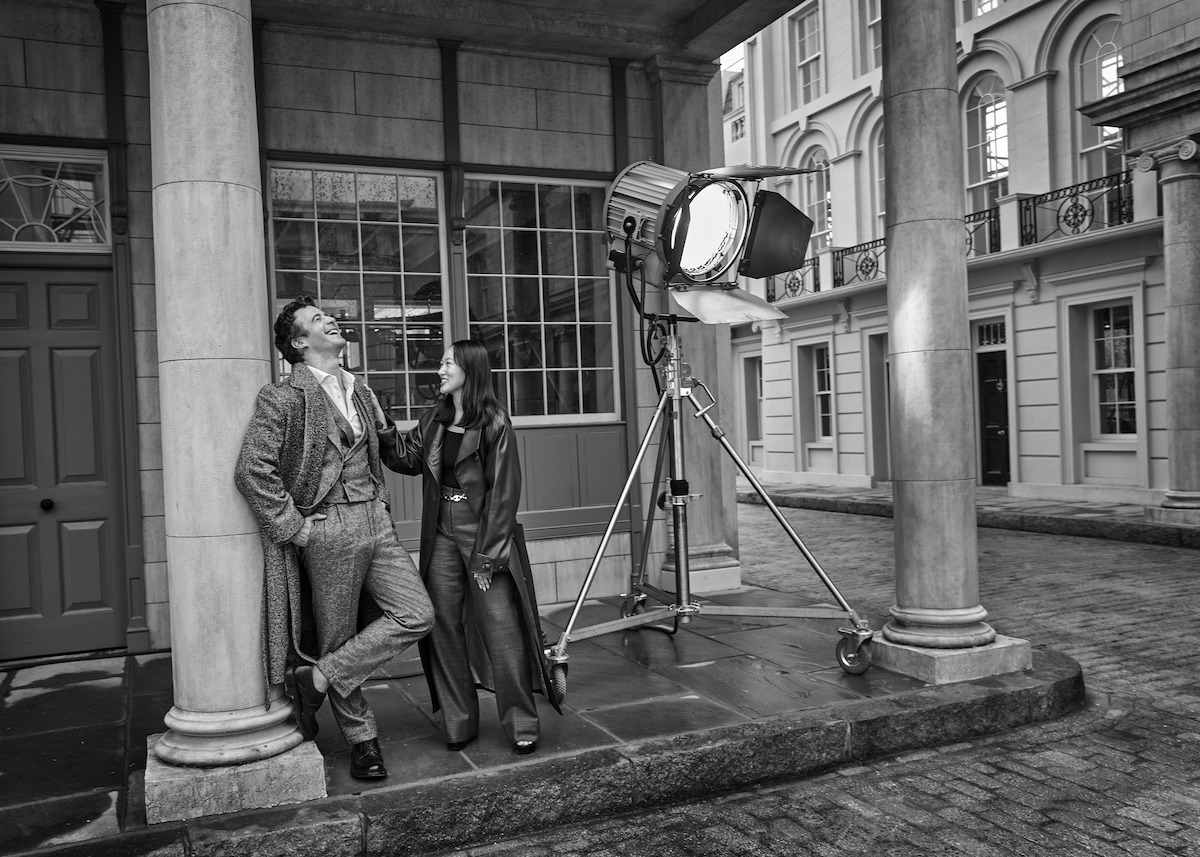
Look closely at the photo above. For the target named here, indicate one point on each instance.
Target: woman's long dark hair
(481, 408)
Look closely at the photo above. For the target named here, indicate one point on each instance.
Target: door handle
(47, 504)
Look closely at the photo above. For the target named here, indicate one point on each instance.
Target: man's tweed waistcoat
(284, 474)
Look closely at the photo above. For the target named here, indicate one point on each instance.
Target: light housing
(699, 231)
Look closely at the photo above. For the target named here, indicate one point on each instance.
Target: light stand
(853, 649)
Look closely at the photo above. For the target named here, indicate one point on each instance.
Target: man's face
(317, 332)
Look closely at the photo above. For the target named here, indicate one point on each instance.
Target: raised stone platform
(462, 810)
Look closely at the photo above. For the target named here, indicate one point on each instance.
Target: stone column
(213, 349)
(1179, 176)
(932, 390)
(689, 138)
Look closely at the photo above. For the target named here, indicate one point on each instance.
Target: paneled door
(62, 583)
(993, 417)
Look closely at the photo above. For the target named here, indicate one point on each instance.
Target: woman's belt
(454, 495)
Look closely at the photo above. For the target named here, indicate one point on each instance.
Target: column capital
(663, 68)
(1183, 149)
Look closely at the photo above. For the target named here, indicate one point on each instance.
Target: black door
(993, 417)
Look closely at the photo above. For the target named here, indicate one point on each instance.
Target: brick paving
(1121, 777)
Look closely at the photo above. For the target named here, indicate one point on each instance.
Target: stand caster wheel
(558, 678)
(639, 607)
(855, 663)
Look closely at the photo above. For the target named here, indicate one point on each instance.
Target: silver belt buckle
(455, 497)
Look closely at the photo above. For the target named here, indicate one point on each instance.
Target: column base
(1173, 515)
(174, 793)
(943, 666)
(712, 568)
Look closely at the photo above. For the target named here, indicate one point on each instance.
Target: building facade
(1067, 278)
(427, 175)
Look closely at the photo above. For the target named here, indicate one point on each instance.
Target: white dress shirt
(342, 398)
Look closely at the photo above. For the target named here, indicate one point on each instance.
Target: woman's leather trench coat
(489, 473)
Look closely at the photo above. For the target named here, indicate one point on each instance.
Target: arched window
(987, 144)
(879, 184)
(1098, 65)
(817, 202)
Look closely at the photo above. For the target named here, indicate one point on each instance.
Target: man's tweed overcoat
(282, 473)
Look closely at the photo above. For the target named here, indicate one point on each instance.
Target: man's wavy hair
(285, 329)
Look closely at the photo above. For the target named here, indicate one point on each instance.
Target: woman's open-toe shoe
(524, 748)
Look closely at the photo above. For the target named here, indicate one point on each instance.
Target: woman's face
(452, 375)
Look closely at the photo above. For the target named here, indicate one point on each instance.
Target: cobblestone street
(1121, 777)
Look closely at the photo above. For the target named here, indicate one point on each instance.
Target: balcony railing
(1088, 207)
(803, 281)
(983, 232)
(862, 263)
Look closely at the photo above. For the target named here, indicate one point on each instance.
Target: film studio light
(694, 234)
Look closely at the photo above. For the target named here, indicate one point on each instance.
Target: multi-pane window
(539, 297)
(1115, 402)
(365, 243)
(987, 144)
(823, 392)
(1101, 146)
(880, 185)
(872, 34)
(737, 129)
(975, 8)
(818, 201)
(754, 397)
(53, 200)
(806, 28)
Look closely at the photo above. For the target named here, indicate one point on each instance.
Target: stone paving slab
(455, 811)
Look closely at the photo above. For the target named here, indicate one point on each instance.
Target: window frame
(879, 183)
(1091, 86)
(812, 186)
(822, 366)
(806, 92)
(982, 193)
(871, 15)
(282, 369)
(1095, 373)
(65, 155)
(972, 9)
(463, 304)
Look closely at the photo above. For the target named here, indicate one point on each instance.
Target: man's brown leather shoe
(366, 761)
(307, 699)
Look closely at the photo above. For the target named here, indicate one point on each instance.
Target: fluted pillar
(213, 356)
(932, 431)
(1178, 166)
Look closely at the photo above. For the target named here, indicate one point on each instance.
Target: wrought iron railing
(983, 232)
(803, 281)
(862, 263)
(1088, 207)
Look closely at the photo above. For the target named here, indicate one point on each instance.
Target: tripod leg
(558, 653)
(646, 532)
(719, 434)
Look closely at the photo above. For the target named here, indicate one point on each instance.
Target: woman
(486, 620)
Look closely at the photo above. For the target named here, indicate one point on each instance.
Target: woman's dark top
(450, 447)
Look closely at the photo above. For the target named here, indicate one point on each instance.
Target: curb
(1141, 532)
(469, 809)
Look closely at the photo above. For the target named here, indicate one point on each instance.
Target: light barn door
(62, 585)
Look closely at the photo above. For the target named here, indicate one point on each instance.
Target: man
(309, 468)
